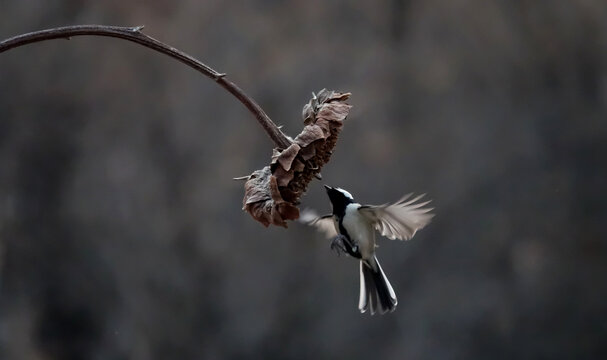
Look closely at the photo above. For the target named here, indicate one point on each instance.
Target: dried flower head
(272, 193)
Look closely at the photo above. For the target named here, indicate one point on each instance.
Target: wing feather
(399, 220)
(325, 224)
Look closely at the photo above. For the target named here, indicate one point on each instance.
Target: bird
(352, 228)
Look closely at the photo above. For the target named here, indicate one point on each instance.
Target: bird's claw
(341, 244)
(337, 245)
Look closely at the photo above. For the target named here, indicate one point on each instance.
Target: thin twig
(134, 34)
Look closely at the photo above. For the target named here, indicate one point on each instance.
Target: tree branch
(134, 34)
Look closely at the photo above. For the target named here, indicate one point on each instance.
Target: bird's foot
(341, 244)
(337, 244)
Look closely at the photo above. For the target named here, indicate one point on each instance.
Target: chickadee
(352, 227)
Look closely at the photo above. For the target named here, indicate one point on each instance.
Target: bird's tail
(376, 293)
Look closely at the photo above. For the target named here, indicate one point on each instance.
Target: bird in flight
(352, 227)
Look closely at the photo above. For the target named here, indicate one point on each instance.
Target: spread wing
(399, 220)
(324, 224)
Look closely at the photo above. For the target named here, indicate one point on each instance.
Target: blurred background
(121, 231)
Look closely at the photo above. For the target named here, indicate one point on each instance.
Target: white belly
(360, 231)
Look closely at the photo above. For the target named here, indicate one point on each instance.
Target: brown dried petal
(274, 192)
(255, 188)
(283, 177)
(275, 155)
(285, 159)
(307, 113)
(307, 152)
(281, 210)
(334, 111)
(324, 96)
(259, 212)
(288, 211)
(264, 201)
(325, 126)
(298, 165)
(310, 134)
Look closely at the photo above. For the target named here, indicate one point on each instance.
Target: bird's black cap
(339, 199)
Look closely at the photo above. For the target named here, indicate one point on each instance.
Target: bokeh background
(121, 231)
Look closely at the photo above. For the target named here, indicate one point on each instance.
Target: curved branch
(134, 34)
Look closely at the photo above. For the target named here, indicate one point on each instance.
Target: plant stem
(134, 34)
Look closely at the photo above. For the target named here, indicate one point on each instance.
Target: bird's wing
(324, 224)
(399, 220)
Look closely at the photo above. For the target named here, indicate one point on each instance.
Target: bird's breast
(359, 230)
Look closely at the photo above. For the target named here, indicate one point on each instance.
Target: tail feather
(376, 293)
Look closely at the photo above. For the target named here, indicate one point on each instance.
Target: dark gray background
(121, 233)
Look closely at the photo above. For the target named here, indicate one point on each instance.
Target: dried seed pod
(272, 193)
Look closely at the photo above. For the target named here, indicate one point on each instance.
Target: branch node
(220, 75)
(137, 29)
